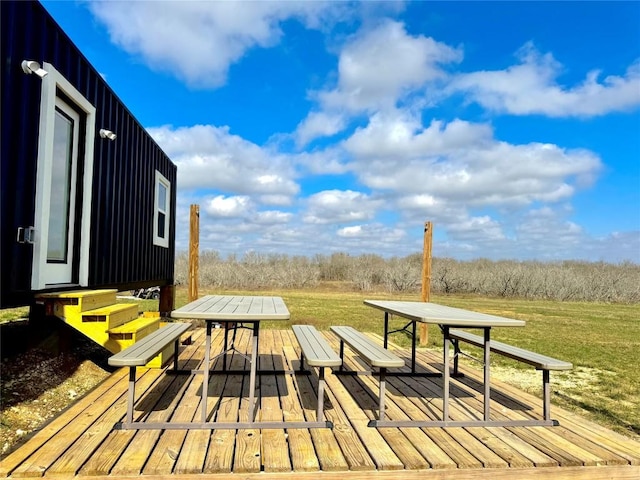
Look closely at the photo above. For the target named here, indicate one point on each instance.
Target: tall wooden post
(194, 247)
(426, 276)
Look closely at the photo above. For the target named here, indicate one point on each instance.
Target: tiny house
(88, 199)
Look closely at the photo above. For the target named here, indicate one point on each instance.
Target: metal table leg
(445, 373)
(205, 373)
(386, 329)
(487, 381)
(254, 368)
(413, 347)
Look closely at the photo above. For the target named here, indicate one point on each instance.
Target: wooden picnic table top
(427, 312)
(234, 308)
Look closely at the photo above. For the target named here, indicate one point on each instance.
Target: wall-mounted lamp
(104, 133)
(31, 66)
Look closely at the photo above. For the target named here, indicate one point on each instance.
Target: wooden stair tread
(76, 294)
(111, 309)
(135, 325)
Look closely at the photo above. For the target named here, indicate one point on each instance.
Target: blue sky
(320, 127)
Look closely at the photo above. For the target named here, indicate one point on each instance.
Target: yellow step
(134, 330)
(111, 316)
(95, 324)
(68, 304)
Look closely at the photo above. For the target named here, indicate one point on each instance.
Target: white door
(65, 148)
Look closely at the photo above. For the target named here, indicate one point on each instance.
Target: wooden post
(167, 302)
(426, 276)
(194, 247)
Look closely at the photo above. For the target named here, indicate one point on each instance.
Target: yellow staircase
(96, 314)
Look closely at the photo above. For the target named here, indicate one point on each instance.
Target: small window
(161, 211)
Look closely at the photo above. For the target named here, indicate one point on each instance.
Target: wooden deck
(81, 442)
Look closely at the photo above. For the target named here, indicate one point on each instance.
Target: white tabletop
(439, 314)
(234, 308)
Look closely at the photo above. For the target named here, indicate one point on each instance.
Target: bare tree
(567, 280)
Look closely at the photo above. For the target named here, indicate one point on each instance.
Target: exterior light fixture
(104, 133)
(31, 66)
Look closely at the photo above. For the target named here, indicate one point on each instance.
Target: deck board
(302, 451)
(332, 447)
(81, 441)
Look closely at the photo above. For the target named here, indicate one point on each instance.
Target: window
(63, 178)
(161, 214)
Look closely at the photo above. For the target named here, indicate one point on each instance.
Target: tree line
(561, 280)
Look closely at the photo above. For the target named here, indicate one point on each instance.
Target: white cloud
(319, 124)
(398, 134)
(380, 65)
(336, 206)
(419, 207)
(198, 41)
(614, 247)
(376, 238)
(227, 207)
(211, 157)
(377, 68)
(375, 232)
(355, 231)
(275, 199)
(476, 229)
(531, 88)
(330, 161)
(545, 233)
(272, 217)
(460, 163)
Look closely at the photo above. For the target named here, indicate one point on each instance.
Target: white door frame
(51, 84)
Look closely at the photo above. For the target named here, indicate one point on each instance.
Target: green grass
(11, 314)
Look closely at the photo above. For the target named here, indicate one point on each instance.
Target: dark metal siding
(122, 254)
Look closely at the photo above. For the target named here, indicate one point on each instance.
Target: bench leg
(132, 394)
(487, 378)
(320, 413)
(301, 369)
(456, 356)
(341, 355)
(445, 373)
(254, 369)
(546, 395)
(383, 383)
(176, 347)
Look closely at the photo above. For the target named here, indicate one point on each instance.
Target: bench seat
(539, 361)
(141, 353)
(318, 353)
(373, 353)
(315, 349)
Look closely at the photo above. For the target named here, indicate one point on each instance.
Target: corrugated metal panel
(122, 253)
(20, 101)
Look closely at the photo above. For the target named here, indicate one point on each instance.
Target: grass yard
(601, 340)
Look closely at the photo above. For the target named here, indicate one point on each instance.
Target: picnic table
(446, 318)
(233, 311)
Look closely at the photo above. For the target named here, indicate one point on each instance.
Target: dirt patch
(580, 378)
(39, 382)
